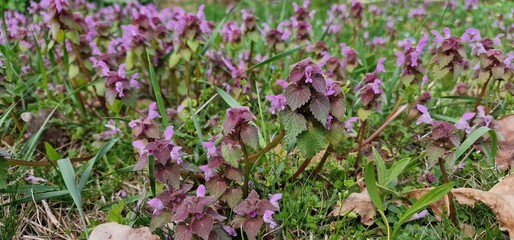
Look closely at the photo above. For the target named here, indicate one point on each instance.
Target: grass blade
(157, 90)
(227, 98)
(381, 168)
(473, 137)
(429, 198)
(68, 175)
(396, 170)
(85, 175)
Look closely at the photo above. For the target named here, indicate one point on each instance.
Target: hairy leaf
(320, 106)
(232, 154)
(311, 141)
(250, 136)
(233, 197)
(337, 109)
(297, 96)
(294, 124)
(252, 227)
(216, 187)
(202, 227)
(183, 232)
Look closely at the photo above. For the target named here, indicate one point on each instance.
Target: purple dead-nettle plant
(231, 33)
(276, 38)
(222, 179)
(449, 55)
(350, 61)
(119, 86)
(334, 68)
(58, 17)
(254, 212)
(301, 20)
(371, 92)
(410, 60)
(314, 105)
(196, 216)
(336, 17)
(238, 73)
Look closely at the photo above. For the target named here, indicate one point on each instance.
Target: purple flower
(143, 154)
(268, 218)
(211, 149)
(438, 38)
(156, 204)
(282, 83)
(349, 123)
(207, 172)
(278, 103)
(200, 191)
(418, 215)
(168, 133)
(425, 115)
(232, 232)
(176, 154)
(273, 199)
(471, 35)
(34, 180)
(380, 65)
(308, 74)
(463, 122)
(152, 111)
(487, 119)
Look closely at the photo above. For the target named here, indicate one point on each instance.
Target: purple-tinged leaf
(319, 83)
(181, 214)
(203, 226)
(232, 197)
(250, 136)
(169, 174)
(216, 187)
(337, 109)
(320, 107)
(232, 154)
(182, 232)
(297, 96)
(252, 227)
(234, 174)
(160, 220)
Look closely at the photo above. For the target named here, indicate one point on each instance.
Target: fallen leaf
(438, 208)
(505, 155)
(115, 231)
(358, 203)
(500, 199)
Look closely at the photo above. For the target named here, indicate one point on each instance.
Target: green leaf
(174, 58)
(395, 171)
(3, 172)
(371, 186)
(51, 153)
(294, 124)
(157, 91)
(193, 45)
(434, 153)
(276, 57)
(473, 137)
(85, 175)
(39, 197)
(231, 155)
(363, 114)
(381, 168)
(227, 98)
(311, 141)
(69, 177)
(429, 198)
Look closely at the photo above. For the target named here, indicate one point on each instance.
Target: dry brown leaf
(438, 208)
(500, 199)
(114, 231)
(505, 156)
(359, 203)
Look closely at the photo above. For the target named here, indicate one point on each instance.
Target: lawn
(257, 119)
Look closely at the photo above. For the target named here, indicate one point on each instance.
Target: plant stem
(453, 213)
(272, 144)
(323, 160)
(247, 168)
(362, 130)
(300, 170)
(480, 97)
